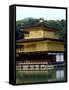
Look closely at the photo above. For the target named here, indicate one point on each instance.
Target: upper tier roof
(40, 24)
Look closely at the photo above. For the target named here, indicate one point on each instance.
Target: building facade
(40, 46)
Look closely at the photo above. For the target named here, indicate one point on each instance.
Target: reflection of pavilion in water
(40, 49)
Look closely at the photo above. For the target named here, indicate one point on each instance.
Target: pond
(49, 75)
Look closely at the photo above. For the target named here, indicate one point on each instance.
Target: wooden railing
(37, 67)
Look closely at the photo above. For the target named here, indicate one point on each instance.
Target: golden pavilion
(39, 46)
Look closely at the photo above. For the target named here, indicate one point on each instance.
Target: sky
(46, 13)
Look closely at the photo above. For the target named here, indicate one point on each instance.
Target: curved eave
(38, 39)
